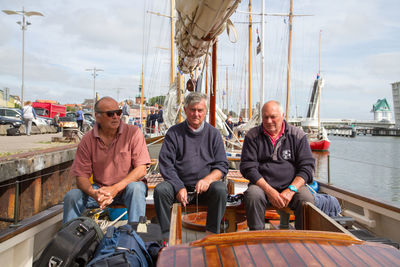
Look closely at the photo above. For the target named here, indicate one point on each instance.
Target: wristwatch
(292, 188)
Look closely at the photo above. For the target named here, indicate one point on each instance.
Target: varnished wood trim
(175, 233)
(266, 235)
(239, 180)
(315, 219)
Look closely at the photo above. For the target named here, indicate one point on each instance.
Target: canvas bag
(121, 247)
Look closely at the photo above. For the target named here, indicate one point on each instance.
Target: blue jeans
(133, 197)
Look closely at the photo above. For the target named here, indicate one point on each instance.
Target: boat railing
(382, 219)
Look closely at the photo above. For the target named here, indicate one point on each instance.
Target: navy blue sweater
(187, 156)
(278, 165)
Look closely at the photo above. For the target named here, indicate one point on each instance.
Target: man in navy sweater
(277, 159)
(192, 161)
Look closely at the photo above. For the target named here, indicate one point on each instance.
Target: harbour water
(367, 165)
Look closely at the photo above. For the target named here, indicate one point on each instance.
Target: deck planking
(280, 248)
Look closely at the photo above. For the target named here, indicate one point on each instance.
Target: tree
(71, 109)
(157, 99)
(232, 113)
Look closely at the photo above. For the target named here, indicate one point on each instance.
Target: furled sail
(198, 23)
(312, 112)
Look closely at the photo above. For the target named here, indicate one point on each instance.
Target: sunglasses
(111, 113)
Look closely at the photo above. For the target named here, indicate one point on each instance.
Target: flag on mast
(258, 43)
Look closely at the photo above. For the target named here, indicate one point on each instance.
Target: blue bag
(121, 247)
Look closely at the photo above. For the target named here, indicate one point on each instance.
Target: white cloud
(359, 51)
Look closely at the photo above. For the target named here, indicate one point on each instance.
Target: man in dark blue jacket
(192, 162)
(277, 159)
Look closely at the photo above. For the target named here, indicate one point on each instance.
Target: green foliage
(233, 114)
(71, 109)
(157, 99)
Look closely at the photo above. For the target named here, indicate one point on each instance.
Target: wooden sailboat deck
(323, 243)
(280, 248)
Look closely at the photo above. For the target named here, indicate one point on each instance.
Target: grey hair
(195, 97)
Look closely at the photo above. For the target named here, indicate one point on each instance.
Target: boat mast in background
(319, 83)
(172, 18)
(262, 61)
(213, 91)
(289, 60)
(250, 28)
(290, 15)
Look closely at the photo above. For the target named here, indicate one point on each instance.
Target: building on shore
(396, 102)
(8, 100)
(381, 110)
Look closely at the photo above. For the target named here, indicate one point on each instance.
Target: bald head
(272, 117)
(102, 101)
(272, 104)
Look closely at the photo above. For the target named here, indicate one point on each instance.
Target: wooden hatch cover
(280, 248)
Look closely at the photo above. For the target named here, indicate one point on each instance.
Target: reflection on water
(321, 165)
(367, 165)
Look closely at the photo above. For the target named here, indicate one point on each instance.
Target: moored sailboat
(316, 134)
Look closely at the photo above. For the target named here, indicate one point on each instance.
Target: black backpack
(74, 245)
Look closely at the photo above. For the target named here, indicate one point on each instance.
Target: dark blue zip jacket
(278, 165)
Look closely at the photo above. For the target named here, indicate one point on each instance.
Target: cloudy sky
(360, 52)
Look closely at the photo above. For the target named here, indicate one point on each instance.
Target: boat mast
(142, 100)
(262, 62)
(213, 90)
(171, 74)
(319, 83)
(250, 29)
(207, 73)
(289, 60)
(172, 18)
(227, 107)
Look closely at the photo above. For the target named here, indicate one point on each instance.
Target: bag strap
(125, 242)
(110, 232)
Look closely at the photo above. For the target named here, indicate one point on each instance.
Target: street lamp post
(24, 25)
(94, 70)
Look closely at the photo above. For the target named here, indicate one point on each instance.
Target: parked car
(15, 113)
(68, 122)
(89, 117)
(12, 122)
(87, 124)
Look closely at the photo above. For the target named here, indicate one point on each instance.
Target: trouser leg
(134, 198)
(75, 202)
(164, 197)
(255, 203)
(302, 195)
(28, 126)
(215, 197)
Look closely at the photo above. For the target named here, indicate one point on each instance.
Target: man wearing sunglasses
(115, 153)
